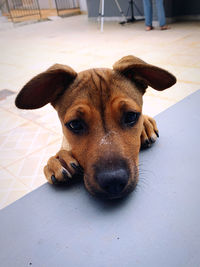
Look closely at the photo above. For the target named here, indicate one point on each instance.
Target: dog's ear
(144, 74)
(45, 87)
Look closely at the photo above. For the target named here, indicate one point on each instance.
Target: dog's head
(100, 112)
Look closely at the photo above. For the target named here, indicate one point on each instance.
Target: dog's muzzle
(112, 176)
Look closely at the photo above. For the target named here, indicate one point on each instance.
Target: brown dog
(101, 115)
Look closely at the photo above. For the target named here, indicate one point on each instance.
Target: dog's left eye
(76, 126)
(130, 118)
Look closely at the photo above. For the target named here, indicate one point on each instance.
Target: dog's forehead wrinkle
(101, 81)
(93, 84)
(99, 84)
(128, 88)
(99, 93)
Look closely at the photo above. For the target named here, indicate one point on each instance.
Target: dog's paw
(61, 168)
(149, 132)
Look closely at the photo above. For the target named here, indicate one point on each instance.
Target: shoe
(149, 28)
(164, 27)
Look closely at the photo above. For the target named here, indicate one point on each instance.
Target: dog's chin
(106, 196)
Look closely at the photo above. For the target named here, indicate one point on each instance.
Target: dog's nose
(113, 181)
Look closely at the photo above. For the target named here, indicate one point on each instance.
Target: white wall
(83, 5)
(45, 4)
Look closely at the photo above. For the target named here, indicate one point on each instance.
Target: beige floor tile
(46, 116)
(15, 194)
(9, 105)
(11, 188)
(187, 57)
(29, 170)
(50, 121)
(9, 121)
(3, 198)
(22, 141)
(190, 38)
(175, 93)
(190, 75)
(7, 68)
(153, 105)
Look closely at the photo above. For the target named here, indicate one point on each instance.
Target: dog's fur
(101, 115)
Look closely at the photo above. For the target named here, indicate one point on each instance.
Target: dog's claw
(152, 140)
(77, 168)
(146, 144)
(61, 168)
(157, 133)
(149, 133)
(54, 180)
(66, 174)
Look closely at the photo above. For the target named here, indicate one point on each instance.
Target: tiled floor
(29, 138)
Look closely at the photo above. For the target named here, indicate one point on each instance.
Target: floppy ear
(45, 87)
(144, 74)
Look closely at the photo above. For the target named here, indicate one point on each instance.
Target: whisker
(143, 182)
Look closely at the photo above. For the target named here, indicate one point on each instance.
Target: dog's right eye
(130, 118)
(76, 126)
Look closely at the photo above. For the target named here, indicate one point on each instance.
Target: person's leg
(160, 12)
(148, 12)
